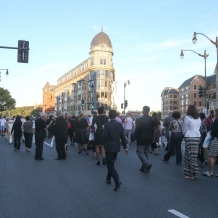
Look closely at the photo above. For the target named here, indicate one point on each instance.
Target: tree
(35, 112)
(158, 114)
(6, 100)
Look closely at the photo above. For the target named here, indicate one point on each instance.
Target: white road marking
(48, 144)
(177, 213)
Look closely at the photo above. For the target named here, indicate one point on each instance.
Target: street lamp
(194, 40)
(216, 44)
(125, 84)
(205, 55)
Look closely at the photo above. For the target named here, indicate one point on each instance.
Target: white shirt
(2, 121)
(128, 123)
(191, 127)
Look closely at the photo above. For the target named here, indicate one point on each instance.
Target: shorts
(2, 128)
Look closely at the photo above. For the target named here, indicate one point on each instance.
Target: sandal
(207, 174)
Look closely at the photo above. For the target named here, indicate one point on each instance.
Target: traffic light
(200, 92)
(82, 102)
(23, 51)
(122, 106)
(126, 104)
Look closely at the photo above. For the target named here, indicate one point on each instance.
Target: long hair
(156, 120)
(17, 120)
(80, 117)
(192, 112)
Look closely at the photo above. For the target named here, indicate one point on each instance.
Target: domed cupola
(100, 39)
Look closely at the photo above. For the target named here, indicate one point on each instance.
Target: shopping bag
(52, 141)
(10, 139)
(91, 136)
(33, 140)
(207, 140)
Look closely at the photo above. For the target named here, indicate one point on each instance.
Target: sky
(147, 38)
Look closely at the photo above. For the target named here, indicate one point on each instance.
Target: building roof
(173, 91)
(101, 38)
(209, 79)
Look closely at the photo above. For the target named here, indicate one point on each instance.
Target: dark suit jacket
(144, 130)
(60, 128)
(73, 125)
(113, 131)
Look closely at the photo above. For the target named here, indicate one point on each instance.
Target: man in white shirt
(128, 123)
(2, 125)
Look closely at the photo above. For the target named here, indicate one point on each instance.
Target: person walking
(17, 132)
(191, 132)
(175, 138)
(112, 133)
(61, 134)
(28, 133)
(40, 135)
(166, 124)
(213, 146)
(143, 135)
(72, 130)
(156, 134)
(99, 121)
(209, 120)
(128, 124)
(203, 132)
(81, 134)
(2, 125)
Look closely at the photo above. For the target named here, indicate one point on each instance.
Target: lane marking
(48, 144)
(177, 213)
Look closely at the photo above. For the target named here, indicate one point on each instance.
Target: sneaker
(117, 186)
(204, 163)
(164, 160)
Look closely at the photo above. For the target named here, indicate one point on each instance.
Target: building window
(194, 103)
(79, 97)
(170, 96)
(103, 61)
(199, 103)
(186, 87)
(102, 94)
(106, 72)
(194, 87)
(174, 102)
(174, 107)
(195, 95)
(170, 108)
(98, 73)
(214, 86)
(170, 102)
(175, 96)
(102, 83)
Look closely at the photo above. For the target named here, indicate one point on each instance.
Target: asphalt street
(76, 187)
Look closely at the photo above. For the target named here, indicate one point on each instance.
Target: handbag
(207, 140)
(180, 128)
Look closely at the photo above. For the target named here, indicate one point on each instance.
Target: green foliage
(158, 114)
(22, 111)
(36, 112)
(6, 100)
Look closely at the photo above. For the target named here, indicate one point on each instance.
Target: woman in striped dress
(192, 136)
(213, 147)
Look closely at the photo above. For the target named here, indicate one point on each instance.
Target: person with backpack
(175, 138)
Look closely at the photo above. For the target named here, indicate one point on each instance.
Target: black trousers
(110, 158)
(17, 141)
(39, 139)
(175, 142)
(201, 153)
(50, 133)
(72, 138)
(28, 139)
(60, 147)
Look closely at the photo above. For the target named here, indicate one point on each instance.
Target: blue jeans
(175, 141)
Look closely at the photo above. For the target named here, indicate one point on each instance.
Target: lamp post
(194, 40)
(205, 55)
(6, 73)
(125, 84)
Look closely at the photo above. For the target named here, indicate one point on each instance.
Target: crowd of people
(105, 134)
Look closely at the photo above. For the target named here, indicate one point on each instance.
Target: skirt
(81, 136)
(98, 137)
(191, 154)
(213, 148)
